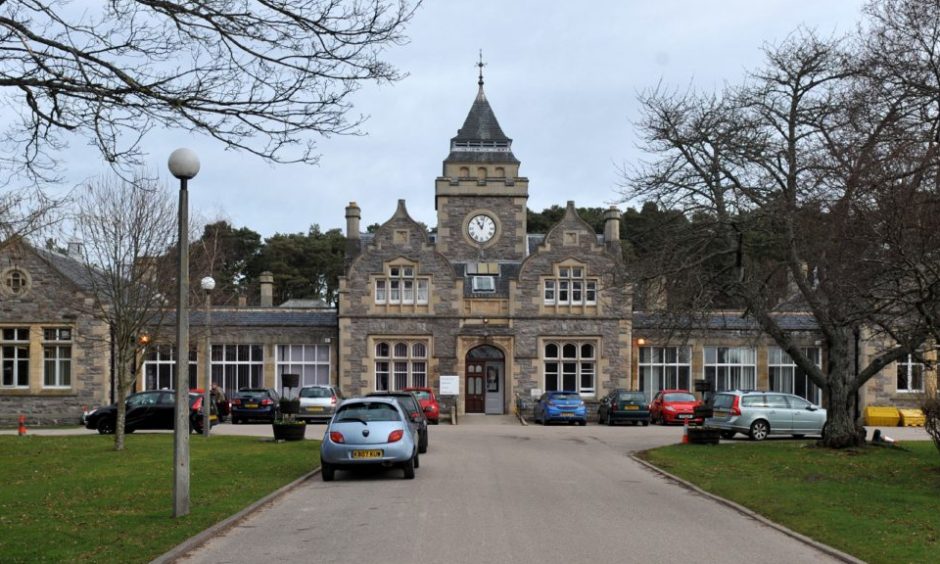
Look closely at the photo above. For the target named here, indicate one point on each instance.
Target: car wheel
(236, 420)
(610, 421)
(106, 426)
(798, 436)
(409, 468)
(726, 434)
(759, 430)
(582, 422)
(423, 445)
(417, 461)
(645, 423)
(129, 430)
(327, 471)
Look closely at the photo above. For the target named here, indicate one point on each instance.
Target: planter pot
(289, 431)
(703, 436)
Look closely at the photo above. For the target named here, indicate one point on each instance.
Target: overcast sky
(561, 77)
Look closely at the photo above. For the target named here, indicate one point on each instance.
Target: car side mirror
(811, 408)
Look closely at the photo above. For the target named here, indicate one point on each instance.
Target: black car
(254, 403)
(624, 405)
(149, 410)
(412, 407)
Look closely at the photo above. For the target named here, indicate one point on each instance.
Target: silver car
(760, 414)
(318, 402)
(368, 432)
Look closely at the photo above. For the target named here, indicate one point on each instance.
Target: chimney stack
(74, 250)
(267, 289)
(612, 225)
(353, 215)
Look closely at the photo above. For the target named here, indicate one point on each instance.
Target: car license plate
(631, 407)
(367, 453)
(251, 405)
(314, 409)
(685, 416)
(567, 414)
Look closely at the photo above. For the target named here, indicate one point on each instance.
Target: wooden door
(474, 389)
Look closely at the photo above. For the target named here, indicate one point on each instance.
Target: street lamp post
(207, 284)
(183, 164)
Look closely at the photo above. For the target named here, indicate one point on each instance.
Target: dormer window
(483, 284)
(570, 287)
(400, 285)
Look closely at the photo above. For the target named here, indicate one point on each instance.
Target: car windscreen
(367, 412)
(421, 394)
(565, 397)
(678, 397)
(632, 396)
(316, 393)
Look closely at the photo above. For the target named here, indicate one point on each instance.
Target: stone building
(54, 354)
(508, 312)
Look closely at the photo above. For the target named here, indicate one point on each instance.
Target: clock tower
(480, 198)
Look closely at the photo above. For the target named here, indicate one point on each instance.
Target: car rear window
(722, 401)
(565, 396)
(632, 396)
(367, 412)
(421, 394)
(678, 397)
(253, 394)
(316, 393)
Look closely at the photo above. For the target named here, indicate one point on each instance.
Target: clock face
(481, 228)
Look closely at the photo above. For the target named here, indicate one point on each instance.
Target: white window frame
(739, 364)
(401, 286)
(782, 372)
(16, 344)
(578, 366)
(164, 357)
(227, 373)
(909, 369)
(57, 358)
(659, 367)
(569, 287)
(310, 361)
(400, 363)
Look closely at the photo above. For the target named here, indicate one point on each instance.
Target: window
(484, 284)
(401, 364)
(786, 377)
(237, 366)
(570, 367)
(400, 285)
(14, 357)
(569, 288)
(910, 375)
(665, 368)
(730, 368)
(15, 281)
(312, 362)
(57, 357)
(160, 368)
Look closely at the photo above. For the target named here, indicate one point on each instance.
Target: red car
(674, 406)
(432, 409)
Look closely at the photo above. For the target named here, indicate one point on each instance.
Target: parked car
(254, 403)
(623, 405)
(560, 406)
(674, 406)
(432, 409)
(318, 402)
(366, 432)
(149, 410)
(412, 408)
(760, 414)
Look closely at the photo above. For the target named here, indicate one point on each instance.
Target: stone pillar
(267, 289)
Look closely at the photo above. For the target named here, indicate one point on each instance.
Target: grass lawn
(877, 504)
(75, 499)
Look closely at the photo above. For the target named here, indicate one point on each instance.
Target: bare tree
(263, 76)
(26, 213)
(124, 227)
(816, 170)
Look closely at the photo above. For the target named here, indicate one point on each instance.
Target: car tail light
(337, 437)
(736, 406)
(395, 436)
(414, 414)
(236, 401)
(333, 400)
(266, 402)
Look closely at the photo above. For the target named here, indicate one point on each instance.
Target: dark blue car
(560, 406)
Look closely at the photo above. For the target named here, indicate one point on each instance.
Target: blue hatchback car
(560, 406)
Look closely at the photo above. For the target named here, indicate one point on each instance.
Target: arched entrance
(485, 381)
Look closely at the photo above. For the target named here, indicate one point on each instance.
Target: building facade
(509, 313)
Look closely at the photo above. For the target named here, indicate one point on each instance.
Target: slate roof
(729, 321)
(533, 240)
(481, 139)
(507, 271)
(261, 317)
(69, 267)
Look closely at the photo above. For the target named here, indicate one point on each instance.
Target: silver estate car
(760, 414)
(318, 402)
(369, 431)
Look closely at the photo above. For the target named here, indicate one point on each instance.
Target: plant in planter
(287, 427)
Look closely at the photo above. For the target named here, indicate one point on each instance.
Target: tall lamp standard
(183, 164)
(207, 284)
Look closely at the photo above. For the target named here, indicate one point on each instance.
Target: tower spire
(481, 64)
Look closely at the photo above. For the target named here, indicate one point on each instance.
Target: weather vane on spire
(481, 64)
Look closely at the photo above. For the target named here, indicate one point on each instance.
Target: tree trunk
(123, 386)
(841, 429)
